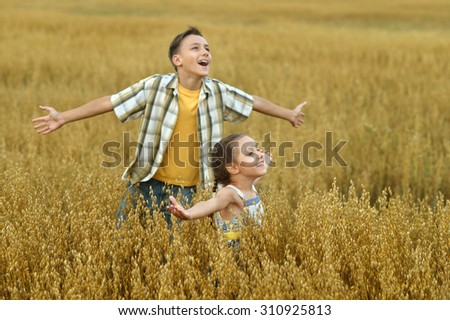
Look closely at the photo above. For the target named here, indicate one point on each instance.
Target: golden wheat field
(375, 75)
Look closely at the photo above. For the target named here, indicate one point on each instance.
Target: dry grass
(374, 75)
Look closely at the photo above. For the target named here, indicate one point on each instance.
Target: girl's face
(249, 158)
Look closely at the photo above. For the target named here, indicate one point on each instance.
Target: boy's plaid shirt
(156, 100)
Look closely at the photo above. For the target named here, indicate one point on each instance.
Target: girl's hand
(177, 210)
(50, 122)
(298, 115)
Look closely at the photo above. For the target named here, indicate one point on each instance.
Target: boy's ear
(176, 60)
(232, 168)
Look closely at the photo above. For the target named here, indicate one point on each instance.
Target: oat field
(376, 77)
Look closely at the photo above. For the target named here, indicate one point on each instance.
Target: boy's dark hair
(176, 42)
(222, 154)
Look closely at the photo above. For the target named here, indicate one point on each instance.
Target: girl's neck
(245, 185)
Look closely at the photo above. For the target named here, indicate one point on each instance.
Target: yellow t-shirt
(180, 165)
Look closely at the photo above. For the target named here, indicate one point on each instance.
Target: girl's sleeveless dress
(253, 209)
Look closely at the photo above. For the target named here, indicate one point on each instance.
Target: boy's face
(193, 56)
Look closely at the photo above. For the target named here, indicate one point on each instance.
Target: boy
(182, 118)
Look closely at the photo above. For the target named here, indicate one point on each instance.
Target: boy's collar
(205, 87)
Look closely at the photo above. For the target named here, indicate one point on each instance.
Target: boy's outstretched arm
(55, 120)
(294, 116)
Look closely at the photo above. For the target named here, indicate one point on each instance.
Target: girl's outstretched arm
(55, 120)
(203, 208)
(294, 116)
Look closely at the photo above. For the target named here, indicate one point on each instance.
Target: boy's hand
(50, 122)
(177, 209)
(298, 115)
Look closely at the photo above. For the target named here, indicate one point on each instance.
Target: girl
(237, 164)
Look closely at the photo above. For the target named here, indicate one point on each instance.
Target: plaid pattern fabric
(155, 99)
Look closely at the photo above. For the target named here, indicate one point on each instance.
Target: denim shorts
(156, 197)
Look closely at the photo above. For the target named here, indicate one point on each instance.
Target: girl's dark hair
(222, 155)
(176, 42)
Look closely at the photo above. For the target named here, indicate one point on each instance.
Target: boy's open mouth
(203, 63)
